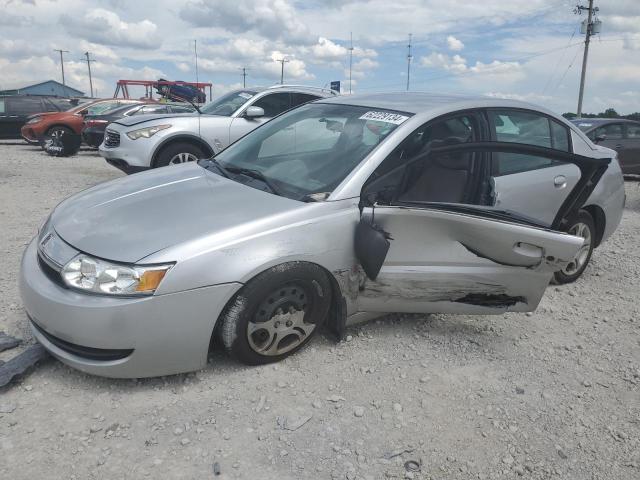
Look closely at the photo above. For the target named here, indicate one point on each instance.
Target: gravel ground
(553, 394)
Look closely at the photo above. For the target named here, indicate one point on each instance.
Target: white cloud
(106, 27)
(454, 44)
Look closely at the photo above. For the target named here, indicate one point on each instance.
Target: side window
(529, 128)
(559, 136)
(152, 109)
(180, 109)
(415, 176)
(24, 106)
(102, 107)
(633, 130)
(300, 98)
(613, 131)
(2, 111)
(274, 104)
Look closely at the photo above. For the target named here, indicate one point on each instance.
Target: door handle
(618, 147)
(560, 181)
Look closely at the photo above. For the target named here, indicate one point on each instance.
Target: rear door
(451, 249)
(17, 110)
(614, 139)
(632, 147)
(530, 184)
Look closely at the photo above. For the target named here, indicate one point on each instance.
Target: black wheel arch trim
(177, 138)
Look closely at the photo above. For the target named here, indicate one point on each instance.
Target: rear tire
(177, 153)
(585, 227)
(276, 313)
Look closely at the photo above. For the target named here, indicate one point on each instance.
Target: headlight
(146, 132)
(97, 276)
(34, 120)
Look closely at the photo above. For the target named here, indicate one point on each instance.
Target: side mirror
(371, 246)
(600, 138)
(83, 112)
(254, 112)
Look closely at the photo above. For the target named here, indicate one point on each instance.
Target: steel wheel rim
(577, 263)
(183, 157)
(279, 323)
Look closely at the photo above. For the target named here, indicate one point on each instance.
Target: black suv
(16, 109)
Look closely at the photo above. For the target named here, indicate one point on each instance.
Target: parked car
(620, 134)
(181, 93)
(338, 210)
(47, 125)
(93, 126)
(139, 143)
(15, 110)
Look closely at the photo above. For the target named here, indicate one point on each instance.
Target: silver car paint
(212, 263)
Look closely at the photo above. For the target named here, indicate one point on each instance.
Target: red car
(51, 124)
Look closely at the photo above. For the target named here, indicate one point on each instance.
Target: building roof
(14, 86)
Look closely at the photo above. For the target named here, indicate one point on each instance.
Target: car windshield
(305, 154)
(227, 104)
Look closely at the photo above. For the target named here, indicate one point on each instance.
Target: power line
(282, 61)
(195, 50)
(89, 60)
(350, 59)
(589, 31)
(409, 57)
(568, 68)
(555, 69)
(244, 77)
(64, 84)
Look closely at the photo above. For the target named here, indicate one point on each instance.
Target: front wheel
(583, 226)
(178, 153)
(276, 313)
(55, 134)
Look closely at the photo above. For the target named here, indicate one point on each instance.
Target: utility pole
(588, 32)
(244, 77)
(282, 61)
(62, 66)
(195, 50)
(409, 57)
(350, 60)
(89, 60)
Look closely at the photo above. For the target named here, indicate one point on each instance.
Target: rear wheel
(276, 313)
(583, 226)
(180, 152)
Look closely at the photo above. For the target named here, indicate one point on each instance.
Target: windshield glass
(305, 153)
(227, 104)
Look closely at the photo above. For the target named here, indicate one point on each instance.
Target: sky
(523, 49)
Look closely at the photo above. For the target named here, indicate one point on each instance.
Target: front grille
(50, 272)
(90, 353)
(111, 139)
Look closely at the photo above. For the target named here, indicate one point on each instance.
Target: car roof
(426, 102)
(319, 91)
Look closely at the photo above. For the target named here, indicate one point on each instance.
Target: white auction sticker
(387, 117)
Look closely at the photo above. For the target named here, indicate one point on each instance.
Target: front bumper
(29, 134)
(122, 337)
(136, 154)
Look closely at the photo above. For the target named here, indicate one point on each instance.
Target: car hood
(137, 119)
(130, 218)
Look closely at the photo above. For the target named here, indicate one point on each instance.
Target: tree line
(608, 113)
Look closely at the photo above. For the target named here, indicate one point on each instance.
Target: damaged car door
(450, 249)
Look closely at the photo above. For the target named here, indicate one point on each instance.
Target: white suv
(138, 143)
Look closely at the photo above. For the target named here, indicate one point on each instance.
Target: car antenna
(190, 103)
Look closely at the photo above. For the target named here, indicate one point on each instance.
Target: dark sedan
(616, 133)
(15, 110)
(94, 125)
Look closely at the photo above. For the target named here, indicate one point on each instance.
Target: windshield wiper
(212, 162)
(250, 172)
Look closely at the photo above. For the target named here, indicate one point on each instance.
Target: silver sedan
(332, 213)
